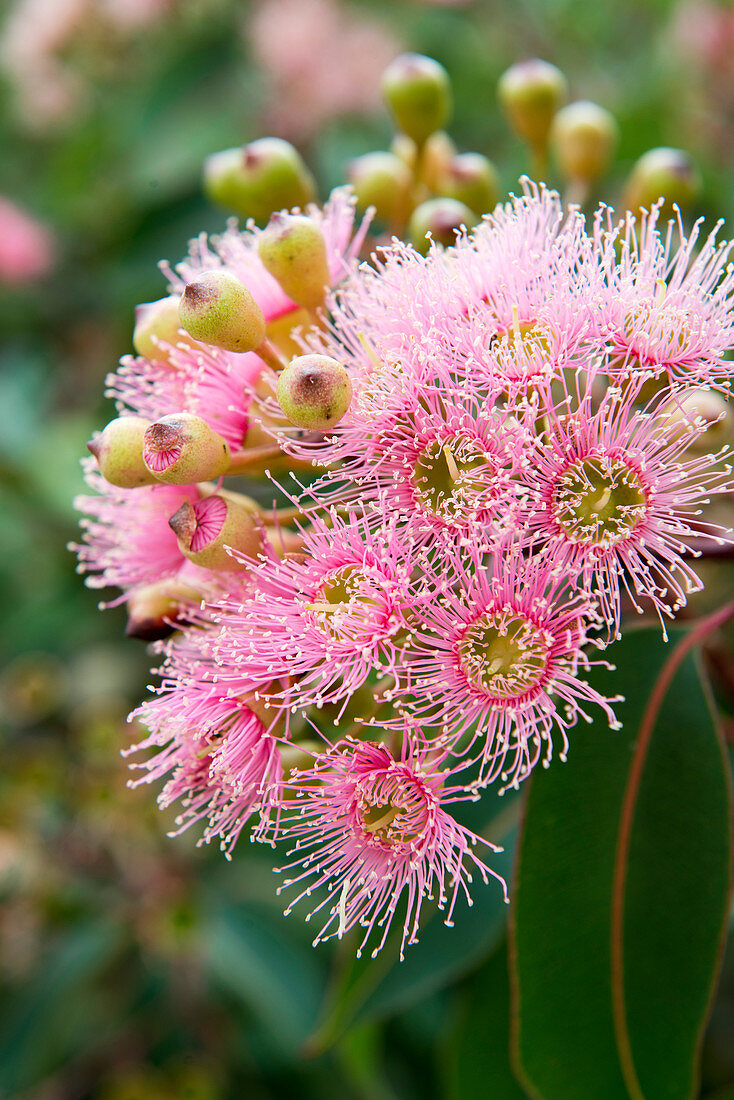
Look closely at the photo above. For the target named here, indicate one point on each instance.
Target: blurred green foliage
(136, 967)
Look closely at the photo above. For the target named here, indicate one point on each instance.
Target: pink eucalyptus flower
(618, 498)
(324, 619)
(496, 660)
(127, 540)
(667, 304)
(368, 828)
(218, 747)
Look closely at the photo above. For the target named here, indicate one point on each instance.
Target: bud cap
(119, 452)
(530, 93)
(158, 329)
(203, 530)
(585, 137)
(292, 248)
(181, 448)
(256, 179)
(663, 173)
(314, 392)
(216, 308)
(472, 179)
(442, 218)
(418, 92)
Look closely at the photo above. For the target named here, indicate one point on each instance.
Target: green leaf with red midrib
(678, 812)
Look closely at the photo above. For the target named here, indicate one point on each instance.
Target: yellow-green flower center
(599, 501)
(450, 478)
(504, 653)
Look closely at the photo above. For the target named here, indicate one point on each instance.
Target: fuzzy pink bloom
(127, 540)
(618, 498)
(206, 381)
(27, 249)
(448, 461)
(217, 747)
(667, 304)
(509, 304)
(323, 620)
(236, 250)
(368, 828)
(495, 661)
(312, 81)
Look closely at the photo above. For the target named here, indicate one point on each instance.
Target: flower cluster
(500, 449)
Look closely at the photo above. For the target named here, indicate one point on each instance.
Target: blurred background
(134, 966)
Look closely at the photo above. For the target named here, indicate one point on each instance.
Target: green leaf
(622, 892)
(478, 1051)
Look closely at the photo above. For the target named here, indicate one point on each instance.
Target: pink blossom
(218, 747)
(495, 660)
(27, 248)
(322, 620)
(126, 537)
(368, 828)
(667, 302)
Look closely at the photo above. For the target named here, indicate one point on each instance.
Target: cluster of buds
(514, 439)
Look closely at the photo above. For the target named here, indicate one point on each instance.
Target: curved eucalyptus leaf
(614, 961)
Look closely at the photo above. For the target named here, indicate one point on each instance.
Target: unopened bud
(293, 250)
(119, 452)
(435, 157)
(530, 93)
(154, 610)
(314, 391)
(256, 179)
(584, 136)
(418, 92)
(381, 180)
(158, 329)
(181, 449)
(442, 219)
(472, 179)
(217, 309)
(204, 528)
(664, 173)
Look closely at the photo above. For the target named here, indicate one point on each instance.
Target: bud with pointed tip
(293, 250)
(530, 93)
(158, 329)
(442, 218)
(584, 137)
(154, 610)
(256, 179)
(418, 92)
(664, 173)
(314, 392)
(204, 528)
(707, 409)
(381, 180)
(216, 308)
(119, 452)
(181, 449)
(472, 179)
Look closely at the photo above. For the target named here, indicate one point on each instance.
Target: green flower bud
(217, 309)
(314, 392)
(203, 530)
(119, 452)
(471, 179)
(293, 250)
(436, 155)
(154, 610)
(158, 329)
(530, 93)
(584, 137)
(381, 180)
(663, 173)
(181, 449)
(256, 179)
(442, 218)
(418, 92)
